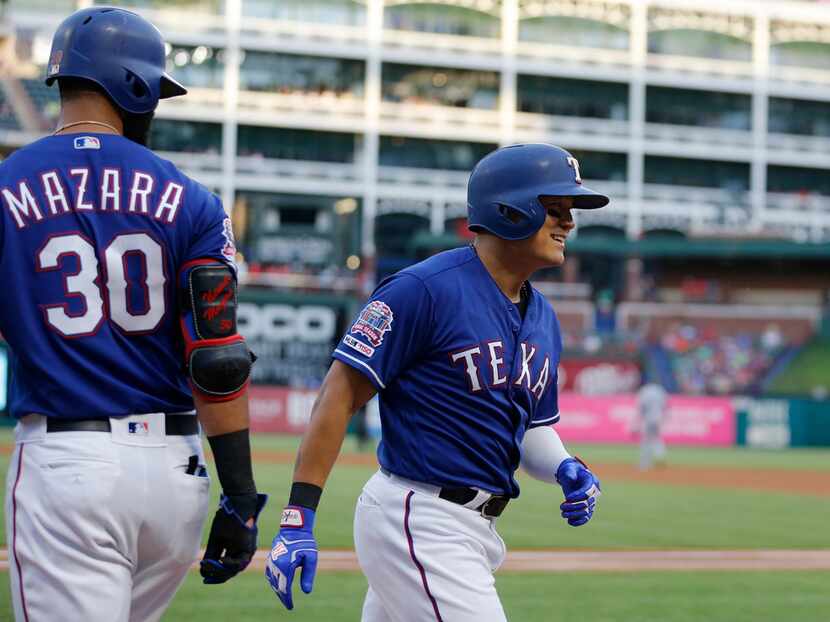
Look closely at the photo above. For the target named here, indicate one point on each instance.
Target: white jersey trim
(359, 362)
(553, 419)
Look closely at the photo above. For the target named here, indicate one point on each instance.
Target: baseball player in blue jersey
(463, 353)
(122, 322)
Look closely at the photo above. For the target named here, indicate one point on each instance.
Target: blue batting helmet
(504, 189)
(119, 51)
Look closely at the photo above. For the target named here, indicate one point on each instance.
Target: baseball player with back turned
(463, 353)
(121, 319)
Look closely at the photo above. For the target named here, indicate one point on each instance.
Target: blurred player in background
(121, 317)
(652, 405)
(463, 353)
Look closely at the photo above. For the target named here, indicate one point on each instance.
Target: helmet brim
(170, 87)
(583, 197)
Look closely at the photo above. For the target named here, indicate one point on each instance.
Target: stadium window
(437, 154)
(290, 144)
(440, 86)
(800, 180)
(602, 165)
(700, 44)
(566, 97)
(699, 108)
(295, 73)
(441, 19)
(733, 176)
(185, 136)
(573, 31)
(799, 116)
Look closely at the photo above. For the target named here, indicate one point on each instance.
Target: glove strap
(297, 517)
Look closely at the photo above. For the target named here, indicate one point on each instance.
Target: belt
(174, 425)
(491, 508)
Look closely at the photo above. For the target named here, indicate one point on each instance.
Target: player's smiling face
(547, 246)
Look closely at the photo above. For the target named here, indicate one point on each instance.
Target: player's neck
(89, 114)
(502, 265)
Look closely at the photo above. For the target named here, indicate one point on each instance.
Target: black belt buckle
(494, 506)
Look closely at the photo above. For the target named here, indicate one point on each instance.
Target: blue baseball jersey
(461, 375)
(94, 231)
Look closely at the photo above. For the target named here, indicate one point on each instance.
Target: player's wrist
(297, 517)
(232, 455)
(305, 495)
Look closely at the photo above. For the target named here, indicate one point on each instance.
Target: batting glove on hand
(581, 488)
(232, 540)
(293, 547)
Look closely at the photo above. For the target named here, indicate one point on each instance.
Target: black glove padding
(231, 543)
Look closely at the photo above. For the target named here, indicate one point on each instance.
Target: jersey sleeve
(212, 233)
(547, 410)
(391, 331)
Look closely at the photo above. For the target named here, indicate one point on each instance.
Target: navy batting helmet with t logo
(119, 51)
(504, 189)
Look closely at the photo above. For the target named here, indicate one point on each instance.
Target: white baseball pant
(101, 526)
(426, 559)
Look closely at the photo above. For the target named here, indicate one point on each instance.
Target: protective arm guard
(217, 360)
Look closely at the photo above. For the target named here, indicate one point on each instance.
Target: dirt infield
(812, 483)
(605, 561)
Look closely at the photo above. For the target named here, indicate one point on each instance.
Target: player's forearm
(344, 390)
(222, 417)
(226, 425)
(324, 437)
(542, 453)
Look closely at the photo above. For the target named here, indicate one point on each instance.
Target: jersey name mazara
(105, 197)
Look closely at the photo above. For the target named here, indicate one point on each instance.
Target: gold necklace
(68, 125)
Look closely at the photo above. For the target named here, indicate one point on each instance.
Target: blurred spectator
(705, 362)
(605, 314)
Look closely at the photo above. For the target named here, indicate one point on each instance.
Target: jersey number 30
(84, 284)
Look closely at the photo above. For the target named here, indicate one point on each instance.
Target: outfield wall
(692, 420)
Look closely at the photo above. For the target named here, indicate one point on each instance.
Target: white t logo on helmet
(572, 161)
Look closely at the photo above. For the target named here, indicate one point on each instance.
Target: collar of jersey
(495, 286)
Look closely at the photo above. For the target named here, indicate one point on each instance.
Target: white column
(760, 107)
(371, 140)
(233, 17)
(507, 86)
(638, 42)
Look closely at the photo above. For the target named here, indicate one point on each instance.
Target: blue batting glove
(293, 547)
(581, 488)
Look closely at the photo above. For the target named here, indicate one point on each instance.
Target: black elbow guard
(220, 368)
(217, 359)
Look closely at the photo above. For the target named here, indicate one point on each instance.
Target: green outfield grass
(531, 597)
(809, 369)
(632, 515)
(739, 457)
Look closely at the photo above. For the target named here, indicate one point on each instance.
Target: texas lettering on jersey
(493, 372)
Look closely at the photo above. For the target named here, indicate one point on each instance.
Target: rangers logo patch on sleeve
(375, 320)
